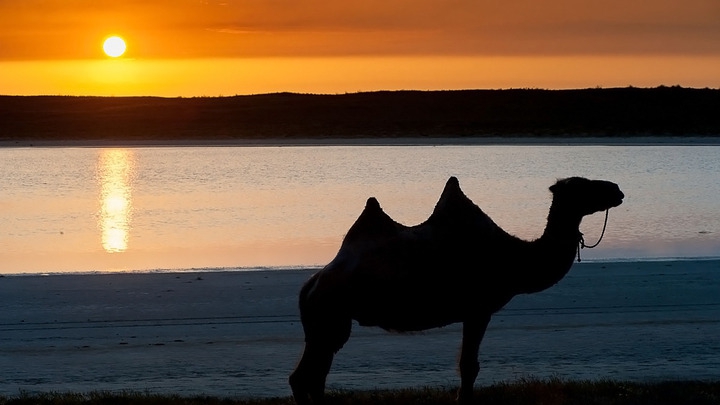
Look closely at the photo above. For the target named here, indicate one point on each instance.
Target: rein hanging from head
(581, 242)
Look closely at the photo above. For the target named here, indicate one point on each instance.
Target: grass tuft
(553, 391)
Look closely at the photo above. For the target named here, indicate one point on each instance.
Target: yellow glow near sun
(114, 46)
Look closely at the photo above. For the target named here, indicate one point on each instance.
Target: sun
(114, 46)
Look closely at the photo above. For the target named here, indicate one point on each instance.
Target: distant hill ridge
(627, 111)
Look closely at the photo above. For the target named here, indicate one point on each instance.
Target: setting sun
(114, 46)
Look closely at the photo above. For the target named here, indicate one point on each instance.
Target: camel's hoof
(305, 399)
(300, 395)
(464, 398)
(305, 393)
(302, 400)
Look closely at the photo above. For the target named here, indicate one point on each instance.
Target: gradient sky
(206, 47)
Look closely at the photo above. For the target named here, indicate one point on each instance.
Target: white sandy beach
(238, 334)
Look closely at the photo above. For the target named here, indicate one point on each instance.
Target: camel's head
(585, 197)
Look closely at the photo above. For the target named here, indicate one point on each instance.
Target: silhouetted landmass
(629, 111)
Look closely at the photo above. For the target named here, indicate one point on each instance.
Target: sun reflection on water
(114, 173)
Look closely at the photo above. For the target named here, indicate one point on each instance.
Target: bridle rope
(581, 242)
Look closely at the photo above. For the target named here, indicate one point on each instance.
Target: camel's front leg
(473, 332)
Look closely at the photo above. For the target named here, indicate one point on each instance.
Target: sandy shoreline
(238, 334)
(375, 141)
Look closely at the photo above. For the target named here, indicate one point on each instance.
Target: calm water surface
(94, 209)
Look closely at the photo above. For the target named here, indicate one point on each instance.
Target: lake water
(98, 209)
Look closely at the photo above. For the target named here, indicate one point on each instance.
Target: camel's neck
(551, 256)
(561, 226)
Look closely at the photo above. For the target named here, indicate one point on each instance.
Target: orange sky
(206, 47)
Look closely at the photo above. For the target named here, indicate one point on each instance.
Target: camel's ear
(556, 187)
(561, 183)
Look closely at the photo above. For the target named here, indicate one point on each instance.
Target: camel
(457, 266)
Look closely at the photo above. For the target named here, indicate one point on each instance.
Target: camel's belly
(408, 324)
(409, 316)
(421, 311)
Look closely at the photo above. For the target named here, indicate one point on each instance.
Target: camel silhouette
(458, 266)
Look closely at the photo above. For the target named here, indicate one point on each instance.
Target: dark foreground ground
(662, 111)
(530, 392)
(230, 334)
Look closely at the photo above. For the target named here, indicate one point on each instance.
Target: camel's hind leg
(308, 380)
(326, 331)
